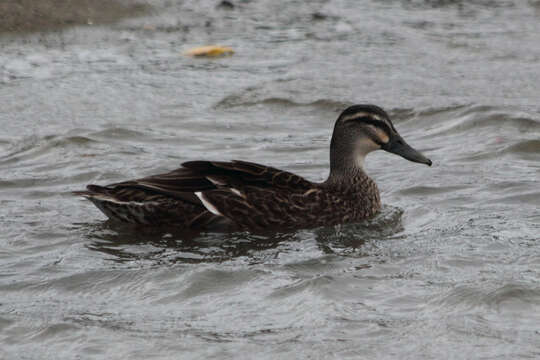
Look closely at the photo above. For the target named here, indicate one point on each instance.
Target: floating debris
(319, 16)
(210, 51)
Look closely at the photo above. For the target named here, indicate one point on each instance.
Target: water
(449, 269)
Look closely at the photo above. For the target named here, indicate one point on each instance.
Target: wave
(500, 298)
(35, 147)
(232, 101)
(481, 116)
(526, 146)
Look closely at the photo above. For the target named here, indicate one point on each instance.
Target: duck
(238, 195)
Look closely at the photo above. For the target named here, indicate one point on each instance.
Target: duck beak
(399, 147)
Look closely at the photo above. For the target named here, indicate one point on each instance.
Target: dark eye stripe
(375, 139)
(377, 123)
(374, 136)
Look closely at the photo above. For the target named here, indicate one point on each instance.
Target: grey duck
(240, 195)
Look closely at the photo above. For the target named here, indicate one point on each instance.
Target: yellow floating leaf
(210, 51)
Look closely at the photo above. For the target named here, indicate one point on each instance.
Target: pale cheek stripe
(382, 136)
(362, 114)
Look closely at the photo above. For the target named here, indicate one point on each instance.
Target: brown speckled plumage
(239, 195)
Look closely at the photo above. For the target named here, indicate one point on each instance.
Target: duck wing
(201, 176)
(243, 192)
(257, 197)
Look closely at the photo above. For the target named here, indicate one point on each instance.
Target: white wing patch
(207, 204)
(237, 192)
(215, 181)
(105, 198)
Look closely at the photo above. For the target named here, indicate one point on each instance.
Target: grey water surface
(450, 269)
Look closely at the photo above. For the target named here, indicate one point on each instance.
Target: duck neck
(345, 173)
(346, 162)
(347, 178)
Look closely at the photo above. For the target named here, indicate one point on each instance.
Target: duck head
(361, 129)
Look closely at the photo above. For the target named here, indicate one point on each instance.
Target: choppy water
(450, 269)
